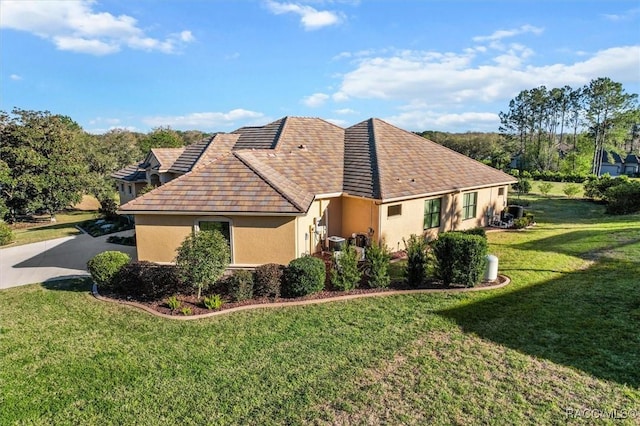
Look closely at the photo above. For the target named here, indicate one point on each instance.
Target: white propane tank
(491, 273)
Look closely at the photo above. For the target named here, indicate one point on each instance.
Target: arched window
(155, 180)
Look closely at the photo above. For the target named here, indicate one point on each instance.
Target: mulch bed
(197, 308)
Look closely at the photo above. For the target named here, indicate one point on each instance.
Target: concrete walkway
(54, 259)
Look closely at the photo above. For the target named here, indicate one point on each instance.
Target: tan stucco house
(285, 189)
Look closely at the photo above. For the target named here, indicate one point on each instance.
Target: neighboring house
(281, 190)
(611, 163)
(631, 165)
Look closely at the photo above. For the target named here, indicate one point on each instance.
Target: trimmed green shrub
(623, 198)
(6, 235)
(415, 274)
(545, 188)
(460, 258)
(571, 190)
(173, 303)
(202, 259)
(240, 285)
(377, 257)
(149, 281)
(481, 232)
(104, 266)
(303, 276)
(213, 302)
(344, 273)
(521, 223)
(267, 280)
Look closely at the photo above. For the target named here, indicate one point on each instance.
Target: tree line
(556, 130)
(47, 161)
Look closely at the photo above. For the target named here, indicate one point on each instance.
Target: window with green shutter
(469, 205)
(432, 213)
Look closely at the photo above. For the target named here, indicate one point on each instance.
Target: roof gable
(225, 185)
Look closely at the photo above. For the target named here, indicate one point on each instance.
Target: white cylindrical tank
(491, 273)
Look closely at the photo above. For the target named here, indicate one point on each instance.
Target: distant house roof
(279, 168)
(632, 158)
(166, 156)
(131, 173)
(611, 157)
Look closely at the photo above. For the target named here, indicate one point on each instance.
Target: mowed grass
(64, 226)
(564, 335)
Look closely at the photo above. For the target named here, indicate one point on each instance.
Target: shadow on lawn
(587, 319)
(70, 283)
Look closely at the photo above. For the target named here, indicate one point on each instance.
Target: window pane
(222, 227)
(394, 210)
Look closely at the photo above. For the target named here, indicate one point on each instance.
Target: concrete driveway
(53, 259)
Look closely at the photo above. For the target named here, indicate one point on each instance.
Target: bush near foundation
(240, 285)
(267, 280)
(104, 266)
(149, 281)
(415, 274)
(460, 258)
(344, 273)
(303, 276)
(377, 258)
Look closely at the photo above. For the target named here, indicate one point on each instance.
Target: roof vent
(413, 180)
(302, 146)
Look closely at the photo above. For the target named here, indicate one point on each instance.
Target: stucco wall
(330, 213)
(358, 215)
(255, 239)
(411, 221)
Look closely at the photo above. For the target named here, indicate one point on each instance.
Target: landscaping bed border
(502, 281)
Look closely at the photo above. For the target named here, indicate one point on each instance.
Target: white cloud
(424, 119)
(501, 34)
(208, 120)
(75, 26)
(627, 15)
(315, 100)
(15, 77)
(345, 111)
(455, 79)
(311, 19)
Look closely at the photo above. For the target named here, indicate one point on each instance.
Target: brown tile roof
(226, 185)
(262, 137)
(131, 173)
(410, 165)
(360, 161)
(204, 152)
(167, 156)
(281, 167)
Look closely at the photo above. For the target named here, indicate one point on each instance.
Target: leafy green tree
(46, 166)
(105, 154)
(160, 137)
(202, 259)
(608, 107)
(545, 188)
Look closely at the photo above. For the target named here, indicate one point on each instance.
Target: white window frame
(196, 228)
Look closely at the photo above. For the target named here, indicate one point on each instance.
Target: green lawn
(65, 226)
(564, 335)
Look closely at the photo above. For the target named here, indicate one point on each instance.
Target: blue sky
(218, 65)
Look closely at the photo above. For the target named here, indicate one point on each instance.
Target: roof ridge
(375, 165)
(280, 132)
(243, 156)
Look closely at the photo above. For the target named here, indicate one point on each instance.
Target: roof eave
(206, 213)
